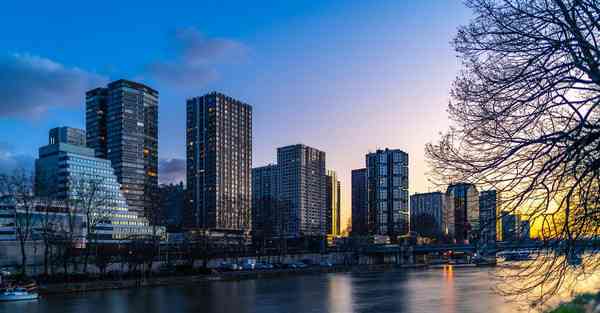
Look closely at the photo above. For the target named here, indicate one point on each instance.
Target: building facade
(333, 198)
(466, 211)
(302, 190)
(510, 225)
(219, 160)
(122, 126)
(70, 135)
(360, 203)
(429, 214)
(387, 179)
(266, 215)
(75, 179)
(488, 211)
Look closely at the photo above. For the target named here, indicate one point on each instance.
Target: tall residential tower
(219, 160)
(302, 190)
(387, 179)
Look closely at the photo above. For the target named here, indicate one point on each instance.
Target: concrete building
(302, 190)
(266, 216)
(333, 195)
(488, 211)
(72, 177)
(466, 211)
(122, 126)
(387, 181)
(219, 157)
(429, 214)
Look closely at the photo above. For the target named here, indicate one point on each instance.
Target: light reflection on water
(447, 290)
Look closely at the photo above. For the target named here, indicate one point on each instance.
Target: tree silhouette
(525, 115)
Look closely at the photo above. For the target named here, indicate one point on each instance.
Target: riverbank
(585, 303)
(100, 285)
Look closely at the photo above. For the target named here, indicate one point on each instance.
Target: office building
(466, 211)
(219, 157)
(302, 190)
(488, 210)
(333, 196)
(510, 224)
(70, 135)
(360, 203)
(429, 214)
(266, 218)
(172, 205)
(387, 179)
(71, 174)
(122, 126)
(524, 230)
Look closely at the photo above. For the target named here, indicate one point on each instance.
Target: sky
(346, 77)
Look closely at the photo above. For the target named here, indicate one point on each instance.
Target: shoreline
(104, 285)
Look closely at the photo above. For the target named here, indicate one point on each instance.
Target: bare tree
(18, 186)
(526, 121)
(96, 204)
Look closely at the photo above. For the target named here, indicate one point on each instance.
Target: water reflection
(449, 290)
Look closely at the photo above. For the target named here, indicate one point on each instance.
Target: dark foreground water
(434, 290)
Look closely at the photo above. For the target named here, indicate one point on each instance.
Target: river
(460, 290)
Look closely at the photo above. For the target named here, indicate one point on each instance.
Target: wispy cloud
(171, 171)
(30, 85)
(9, 161)
(197, 59)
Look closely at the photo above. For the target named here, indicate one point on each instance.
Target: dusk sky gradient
(346, 77)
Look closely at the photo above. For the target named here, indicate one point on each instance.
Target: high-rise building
(333, 196)
(429, 214)
(74, 136)
(219, 158)
(65, 171)
(510, 224)
(266, 218)
(387, 177)
(360, 203)
(466, 211)
(122, 126)
(524, 230)
(488, 210)
(302, 190)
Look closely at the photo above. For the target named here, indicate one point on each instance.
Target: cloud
(171, 171)
(197, 59)
(30, 85)
(10, 162)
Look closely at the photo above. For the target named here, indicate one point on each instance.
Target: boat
(18, 294)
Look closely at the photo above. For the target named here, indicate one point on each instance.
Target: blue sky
(344, 76)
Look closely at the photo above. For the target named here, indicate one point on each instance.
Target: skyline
(386, 78)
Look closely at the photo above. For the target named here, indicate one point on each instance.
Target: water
(463, 290)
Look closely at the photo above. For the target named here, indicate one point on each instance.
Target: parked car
(325, 264)
(264, 266)
(229, 266)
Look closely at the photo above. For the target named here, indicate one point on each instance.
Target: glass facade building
(360, 203)
(122, 126)
(333, 195)
(63, 169)
(466, 211)
(488, 212)
(387, 183)
(219, 163)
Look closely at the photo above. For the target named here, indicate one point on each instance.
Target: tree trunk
(23, 258)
